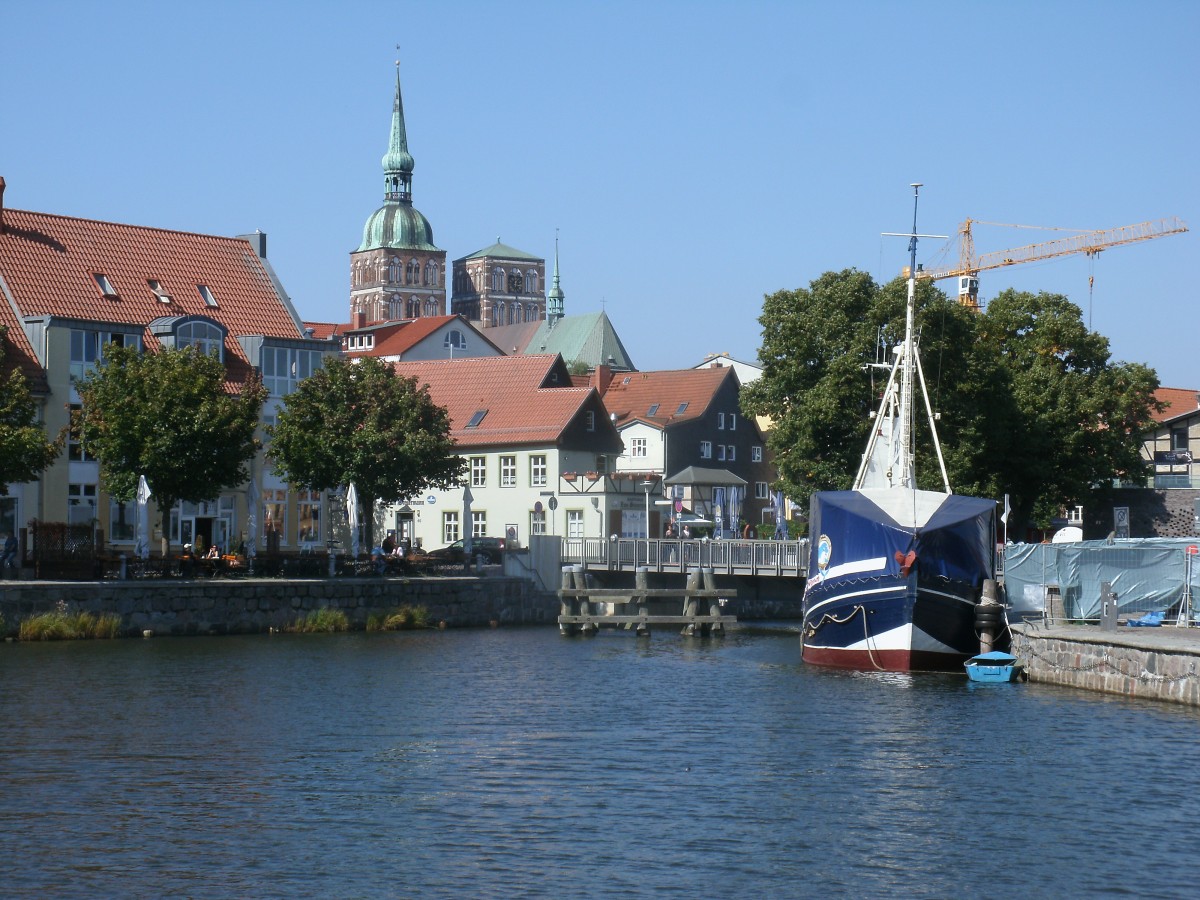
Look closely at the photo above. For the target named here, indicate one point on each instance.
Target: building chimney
(1, 204)
(360, 318)
(602, 376)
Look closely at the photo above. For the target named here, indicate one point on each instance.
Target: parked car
(490, 548)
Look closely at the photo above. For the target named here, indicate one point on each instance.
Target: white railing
(736, 557)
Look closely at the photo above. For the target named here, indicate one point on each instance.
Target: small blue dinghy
(995, 667)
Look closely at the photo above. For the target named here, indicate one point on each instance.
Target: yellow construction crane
(1089, 242)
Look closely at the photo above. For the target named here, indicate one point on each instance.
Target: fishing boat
(895, 571)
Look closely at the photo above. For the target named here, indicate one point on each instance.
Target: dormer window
(156, 288)
(209, 299)
(105, 285)
(477, 418)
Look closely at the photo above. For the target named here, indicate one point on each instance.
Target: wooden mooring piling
(585, 609)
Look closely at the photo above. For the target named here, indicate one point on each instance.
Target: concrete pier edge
(1147, 663)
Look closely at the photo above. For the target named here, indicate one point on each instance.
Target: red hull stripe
(884, 660)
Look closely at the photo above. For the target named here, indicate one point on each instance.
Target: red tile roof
(49, 264)
(323, 331)
(528, 399)
(631, 395)
(1179, 401)
(394, 339)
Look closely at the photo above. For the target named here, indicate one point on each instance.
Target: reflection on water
(517, 762)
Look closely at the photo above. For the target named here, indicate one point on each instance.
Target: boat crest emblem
(824, 552)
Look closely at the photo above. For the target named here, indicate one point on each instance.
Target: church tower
(397, 272)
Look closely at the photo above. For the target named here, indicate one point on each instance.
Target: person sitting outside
(389, 544)
(214, 552)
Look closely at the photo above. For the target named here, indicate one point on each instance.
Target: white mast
(893, 465)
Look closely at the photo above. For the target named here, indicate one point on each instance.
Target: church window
(431, 307)
(497, 279)
(414, 308)
(413, 275)
(531, 282)
(497, 313)
(431, 274)
(394, 271)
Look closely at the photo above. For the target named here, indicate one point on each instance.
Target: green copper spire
(397, 224)
(398, 162)
(555, 299)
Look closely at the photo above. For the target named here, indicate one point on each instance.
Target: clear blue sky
(694, 155)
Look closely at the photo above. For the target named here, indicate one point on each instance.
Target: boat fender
(987, 615)
(906, 561)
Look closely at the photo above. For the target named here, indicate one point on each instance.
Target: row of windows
(727, 420)
(452, 524)
(397, 307)
(87, 348)
(538, 473)
(283, 368)
(725, 452)
(514, 313)
(104, 283)
(514, 282)
(396, 271)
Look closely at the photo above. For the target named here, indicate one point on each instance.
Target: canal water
(518, 763)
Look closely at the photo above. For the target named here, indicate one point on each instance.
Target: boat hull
(892, 589)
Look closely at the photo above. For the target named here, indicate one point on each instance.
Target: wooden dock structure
(585, 609)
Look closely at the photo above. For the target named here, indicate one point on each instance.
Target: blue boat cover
(953, 536)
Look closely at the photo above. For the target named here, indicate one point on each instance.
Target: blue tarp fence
(1147, 574)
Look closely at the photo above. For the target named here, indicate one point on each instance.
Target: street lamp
(647, 485)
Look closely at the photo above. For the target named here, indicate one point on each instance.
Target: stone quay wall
(1156, 667)
(249, 606)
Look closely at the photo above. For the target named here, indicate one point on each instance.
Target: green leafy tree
(24, 450)
(1079, 416)
(1028, 401)
(360, 422)
(168, 416)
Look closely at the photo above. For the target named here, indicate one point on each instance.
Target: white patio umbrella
(252, 503)
(141, 549)
(352, 516)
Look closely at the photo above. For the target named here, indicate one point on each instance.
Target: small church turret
(555, 299)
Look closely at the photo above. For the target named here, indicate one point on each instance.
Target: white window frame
(720, 421)
(706, 449)
(720, 453)
(537, 521)
(574, 523)
(450, 526)
(537, 471)
(479, 471)
(761, 490)
(479, 523)
(639, 447)
(508, 471)
(756, 453)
